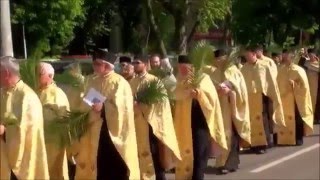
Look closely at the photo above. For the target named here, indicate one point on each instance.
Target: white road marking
(274, 163)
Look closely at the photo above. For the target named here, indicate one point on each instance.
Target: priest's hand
(194, 93)
(291, 82)
(2, 129)
(97, 107)
(224, 89)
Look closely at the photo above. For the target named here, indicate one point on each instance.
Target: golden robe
(159, 117)
(233, 113)
(272, 65)
(259, 81)
(210, 106)
(313, 75)
(24, 151)
(120, 121)
(299, 94)
(53, 97)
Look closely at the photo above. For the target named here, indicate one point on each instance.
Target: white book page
(93, 96)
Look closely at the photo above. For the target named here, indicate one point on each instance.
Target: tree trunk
(155, 27)
(5, 27)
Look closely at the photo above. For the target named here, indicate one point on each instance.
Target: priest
(55, 103)
(233, 97)
(296, 101)
(198, 120)
(108, 150)
(262, 89)
(156, 137)
(127, 70)
(23, 153)
(313, 70)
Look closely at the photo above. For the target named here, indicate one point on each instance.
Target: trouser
(299, 125)
(155, 151)
(233, 160)
(201, 152)
(13, 176)
(268, 121)
(71, 170)
(110, 164)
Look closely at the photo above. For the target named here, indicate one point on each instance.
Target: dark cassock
(198, 120)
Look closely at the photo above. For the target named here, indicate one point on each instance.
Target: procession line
(274, 163)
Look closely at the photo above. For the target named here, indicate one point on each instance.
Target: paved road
(291, 162)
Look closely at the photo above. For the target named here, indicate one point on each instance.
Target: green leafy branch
(67, 128)
(67, 78)
(29, 72)
(199, 56)
(151, 92)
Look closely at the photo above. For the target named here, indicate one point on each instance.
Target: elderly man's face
(101, 67)
(155, 62)
(44, 77)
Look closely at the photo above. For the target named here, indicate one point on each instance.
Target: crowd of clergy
(253, 105)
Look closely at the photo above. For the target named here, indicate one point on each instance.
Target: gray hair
(11, 64)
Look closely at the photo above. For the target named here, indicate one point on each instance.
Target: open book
(93, 96)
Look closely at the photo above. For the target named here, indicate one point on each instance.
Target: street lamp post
(6, 48)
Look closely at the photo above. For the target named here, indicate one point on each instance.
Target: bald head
(46, 72)
(46, 68)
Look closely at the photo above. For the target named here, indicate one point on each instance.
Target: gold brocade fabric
(120, 123)
(235, 106)
(24, 151)
(260, 81)
(291, 94)
(160, 118)
(53, 97)
(210, 106)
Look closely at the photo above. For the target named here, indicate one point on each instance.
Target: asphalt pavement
(285, 163)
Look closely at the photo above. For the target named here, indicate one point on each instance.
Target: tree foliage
(49, 24)
(264, 21)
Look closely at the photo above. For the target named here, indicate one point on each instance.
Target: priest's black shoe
(222, 171)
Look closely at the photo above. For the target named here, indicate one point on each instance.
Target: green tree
(49, 24)
(275, 20)
(190, 16)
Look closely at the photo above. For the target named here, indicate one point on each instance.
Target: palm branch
(67, 128)
(200, 55)
(151, 92)
(29, 72)
(67, 78)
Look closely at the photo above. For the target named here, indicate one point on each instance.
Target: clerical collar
(106, 75)
(143, 75)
